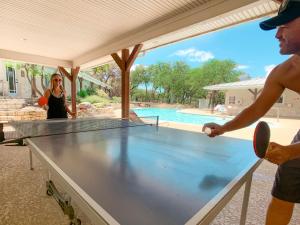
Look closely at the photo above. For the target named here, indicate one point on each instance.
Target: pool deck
(23, 200)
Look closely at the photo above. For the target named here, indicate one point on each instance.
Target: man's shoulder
(289, 65)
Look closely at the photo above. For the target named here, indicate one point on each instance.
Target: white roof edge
(35, 59)
(246, 84)
(230, 88)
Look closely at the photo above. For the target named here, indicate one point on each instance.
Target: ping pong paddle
(42, 101)
(261, 139)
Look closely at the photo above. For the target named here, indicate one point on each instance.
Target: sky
(255, 51)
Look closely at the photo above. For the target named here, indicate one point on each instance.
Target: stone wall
(27, 113)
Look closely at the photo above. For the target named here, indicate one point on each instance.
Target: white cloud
(133, 67)
(241, 67)
(195, 55)
(269, 68)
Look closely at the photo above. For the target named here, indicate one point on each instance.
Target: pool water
(174, 115)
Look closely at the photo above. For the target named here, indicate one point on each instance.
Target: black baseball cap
(288, 11)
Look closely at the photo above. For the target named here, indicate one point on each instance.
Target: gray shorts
(287, 181)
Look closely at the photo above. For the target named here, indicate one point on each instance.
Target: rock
(85, 105)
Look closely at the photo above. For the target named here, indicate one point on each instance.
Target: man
(286, 188)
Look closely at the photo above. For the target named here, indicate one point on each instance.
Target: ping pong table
(140, 174)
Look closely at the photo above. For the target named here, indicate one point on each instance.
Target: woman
(56, 95)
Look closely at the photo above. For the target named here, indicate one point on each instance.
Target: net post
(157, 120)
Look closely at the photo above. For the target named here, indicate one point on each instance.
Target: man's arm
(269, 95)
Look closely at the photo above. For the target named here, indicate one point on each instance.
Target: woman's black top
(57, 107)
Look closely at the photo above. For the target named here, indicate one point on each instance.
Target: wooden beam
(65, 73)
(259, 91)
(72, 78)
(74, 74)
(135, 52)
(125, 63)
(125, 85)
(118, 60)
(255, 93)
(252, 92)
(213, 96)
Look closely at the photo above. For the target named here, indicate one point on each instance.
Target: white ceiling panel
(85, 32)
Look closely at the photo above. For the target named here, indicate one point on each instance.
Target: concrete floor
(24, 201)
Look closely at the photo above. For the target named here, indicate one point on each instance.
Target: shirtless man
(286, 188)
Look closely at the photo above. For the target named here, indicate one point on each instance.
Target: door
(11, 79)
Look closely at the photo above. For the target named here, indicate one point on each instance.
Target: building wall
(3, 88)
(290, 106)
(23, 87)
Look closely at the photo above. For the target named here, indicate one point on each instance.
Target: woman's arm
(47, 93)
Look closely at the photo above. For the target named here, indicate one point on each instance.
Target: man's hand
(216, 129)
(277, 153)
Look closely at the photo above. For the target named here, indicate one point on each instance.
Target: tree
(161, 79)
(216, 72)
(137, 77)
(33, 71)
(109, 74)
(178, 82)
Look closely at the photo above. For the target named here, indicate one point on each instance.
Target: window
(231, 99)
(280, 100)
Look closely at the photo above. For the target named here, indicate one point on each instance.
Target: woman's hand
(45, 107)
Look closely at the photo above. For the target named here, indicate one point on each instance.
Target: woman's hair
(51, 80)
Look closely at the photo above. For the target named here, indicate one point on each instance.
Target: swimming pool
(174, 115)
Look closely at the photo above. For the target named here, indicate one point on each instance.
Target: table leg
(30, 159)
(64, 202)
(246, 199)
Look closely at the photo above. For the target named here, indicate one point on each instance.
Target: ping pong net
(31, 129)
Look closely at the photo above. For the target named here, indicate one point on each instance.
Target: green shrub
(116, 99)
(91, 91)
(82, 93)
(78, 99)
(102, 94)
(92, 99)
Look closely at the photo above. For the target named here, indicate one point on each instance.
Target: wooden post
(125, 64)
(255, 93)
(72, 77)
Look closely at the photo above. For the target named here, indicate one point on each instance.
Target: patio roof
(246, 84)
(85, 33)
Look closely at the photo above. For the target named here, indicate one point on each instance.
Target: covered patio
(82, 34)
(76, 35)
